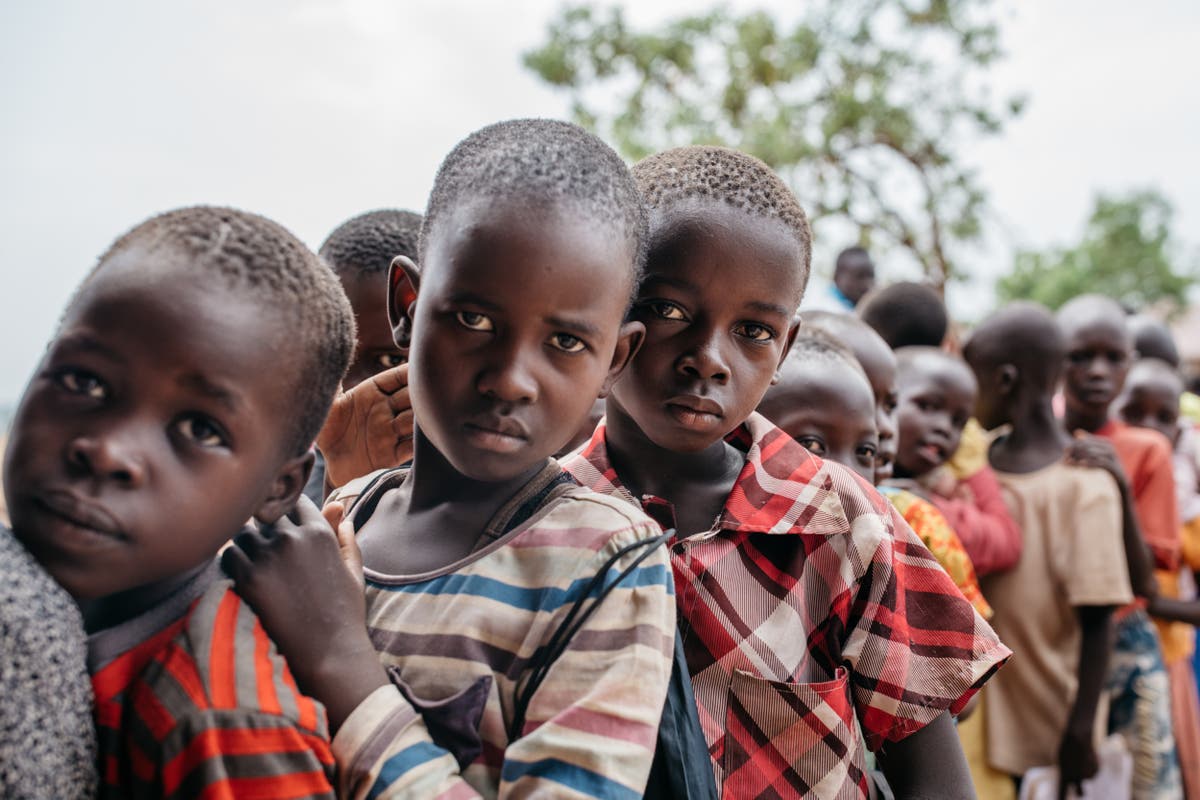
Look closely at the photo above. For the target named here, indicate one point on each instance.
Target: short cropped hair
(729, 176)
(253, 254)
(547, 162)
(815, 345)
(368, 243)
(1153, 339)
(906, 314)
(854, 250)
(1024, 334)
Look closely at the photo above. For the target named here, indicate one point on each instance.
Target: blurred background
(998, 149)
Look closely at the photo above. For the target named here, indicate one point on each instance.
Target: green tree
(1126, 253)
(862, 105)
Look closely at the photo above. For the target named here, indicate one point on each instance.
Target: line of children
(486, 622)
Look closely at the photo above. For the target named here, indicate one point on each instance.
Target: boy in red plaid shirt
(805, 601)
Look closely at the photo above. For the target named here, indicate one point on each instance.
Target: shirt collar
(782, 488)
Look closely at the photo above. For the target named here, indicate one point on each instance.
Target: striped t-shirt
(193, 700)
(459, 644)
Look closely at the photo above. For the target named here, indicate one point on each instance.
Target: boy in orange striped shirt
(178, 400)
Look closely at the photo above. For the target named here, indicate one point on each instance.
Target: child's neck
(697, 484)
(112, 610)
(1037, 438)
(438, 514)
(1086, 419)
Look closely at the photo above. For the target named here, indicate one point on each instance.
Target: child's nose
(510, 379)
(108, 456)
(705, 360)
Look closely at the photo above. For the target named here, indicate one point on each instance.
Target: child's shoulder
(580, 518)
(225, 661)
(1063, 485)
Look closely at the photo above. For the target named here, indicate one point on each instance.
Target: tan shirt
(1073, 556)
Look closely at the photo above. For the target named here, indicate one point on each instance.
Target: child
(853, 278)
(937, 393)
(478, 557)
(879, 364)
(906, 315)
(1151, 400)
(1056, 603)
(771, 539)
(150, 433)
(47, 740)
(1099, 352)
(360, 251)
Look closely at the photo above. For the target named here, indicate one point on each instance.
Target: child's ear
(629, 341)
(1006, 378)
(787, 348)
(289, 483)
(403, 284)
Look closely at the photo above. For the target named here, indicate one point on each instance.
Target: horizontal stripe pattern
(590, 727)
(196, 709)
(809, 603)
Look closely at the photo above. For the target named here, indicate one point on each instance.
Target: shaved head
(1025, 335)
(1153, 339)
(1092, 310)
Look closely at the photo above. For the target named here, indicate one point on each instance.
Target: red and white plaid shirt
(809, 602)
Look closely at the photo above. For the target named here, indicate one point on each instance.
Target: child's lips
(697, 413)
(81, 524)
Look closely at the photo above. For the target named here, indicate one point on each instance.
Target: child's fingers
(348, 549)
(333, 512)
(236, 564)
(391, 380)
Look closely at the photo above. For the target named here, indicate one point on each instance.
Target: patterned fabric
(936, 534)
(459, 644)
(808, 603)
(1141, 709)
(192, 699)
(972, 453)
(984, 526)
(47, 741)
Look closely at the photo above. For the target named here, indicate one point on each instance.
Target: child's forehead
(936, 371)
(823, 380)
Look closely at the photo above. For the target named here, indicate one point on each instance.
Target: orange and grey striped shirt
(193, 700)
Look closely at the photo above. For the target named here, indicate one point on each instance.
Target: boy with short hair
(360, 252)
(525, 625)
(771, 539)
(936, 397)
(150, 433)
(1099, 353)
(1057, 602)
(906, 314)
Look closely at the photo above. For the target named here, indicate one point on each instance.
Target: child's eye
(474, 321)
(78, 381)
(666, 309)
(567, 343)
(812, 444)
(866, 453)
(201, 431)
(389, 360)
(754, 331)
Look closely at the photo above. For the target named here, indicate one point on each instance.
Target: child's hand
(305, 584)
(1086, 450)
(369, 427)
(1076, 762)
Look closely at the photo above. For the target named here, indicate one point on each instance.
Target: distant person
(907, 314)
(937, 394)
(1056, 605)
(853, 278)
(1099, 353)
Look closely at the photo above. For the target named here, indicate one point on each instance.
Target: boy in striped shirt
(480, 671)
(178, 400)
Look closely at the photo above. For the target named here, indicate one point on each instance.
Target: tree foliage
(861, 104)
(1126, 253)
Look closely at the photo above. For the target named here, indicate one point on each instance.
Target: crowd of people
(601, 504)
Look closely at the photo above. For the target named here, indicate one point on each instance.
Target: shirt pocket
(792, 739)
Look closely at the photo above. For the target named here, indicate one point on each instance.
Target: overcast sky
(312, 111)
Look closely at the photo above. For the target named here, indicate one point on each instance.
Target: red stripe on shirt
(221, 664)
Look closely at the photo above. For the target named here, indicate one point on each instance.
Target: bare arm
(928, 765)
(1076, 756)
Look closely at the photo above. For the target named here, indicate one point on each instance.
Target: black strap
(682, 768)
(548, 653)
